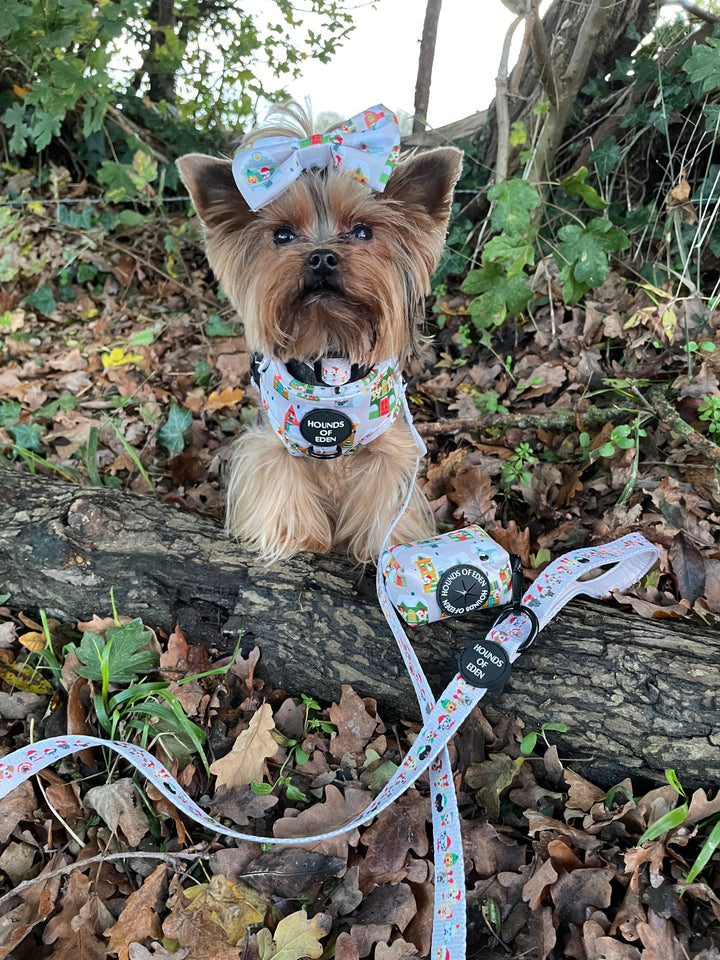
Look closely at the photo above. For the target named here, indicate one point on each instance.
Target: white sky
(378, 64)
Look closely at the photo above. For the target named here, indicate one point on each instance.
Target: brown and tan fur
(279, 504)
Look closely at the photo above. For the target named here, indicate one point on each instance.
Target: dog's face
(329, 268)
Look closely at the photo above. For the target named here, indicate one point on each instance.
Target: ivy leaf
(45, 127)
(512, 250)
(215, 327)
(9, 413)
(575, 186)
(606, 157)
(513, 199)
(119, 652)
(703, 64)
(42, 300)
(115, 177)
(171, 434)
(27, 436)
(582, 255)
(14, 119)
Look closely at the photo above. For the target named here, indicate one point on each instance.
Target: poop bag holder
(447, 576)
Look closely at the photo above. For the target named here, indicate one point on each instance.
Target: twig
(697, 11)
(671, 421)
(555, 420)
(543, 60)
(118, 117)
(104, 858)
(502, 110)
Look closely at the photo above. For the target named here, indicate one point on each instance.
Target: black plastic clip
(517, 607)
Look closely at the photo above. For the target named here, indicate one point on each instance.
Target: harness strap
(328, 409)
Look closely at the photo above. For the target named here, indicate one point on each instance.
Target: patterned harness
(348, 408)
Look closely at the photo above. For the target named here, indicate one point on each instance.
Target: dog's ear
(428, 180)
(216, 198)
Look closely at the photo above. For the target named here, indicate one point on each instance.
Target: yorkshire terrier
(325, 247)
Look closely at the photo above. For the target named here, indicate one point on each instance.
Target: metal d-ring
(519, 610)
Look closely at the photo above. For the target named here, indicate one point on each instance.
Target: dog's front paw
(273, 506)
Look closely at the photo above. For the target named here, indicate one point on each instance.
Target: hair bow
(367, 146)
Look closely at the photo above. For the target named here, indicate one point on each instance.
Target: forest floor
(123, 366)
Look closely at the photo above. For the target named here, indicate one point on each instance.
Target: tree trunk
(637, 695)
(574, 41)
(425, 64)
(162, 80)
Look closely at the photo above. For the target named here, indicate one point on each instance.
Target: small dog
(327, 261)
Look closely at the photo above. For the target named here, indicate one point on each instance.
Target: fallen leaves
(246, 761)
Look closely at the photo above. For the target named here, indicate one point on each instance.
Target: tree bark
(574, 41)
(637, 695)
(425, 64)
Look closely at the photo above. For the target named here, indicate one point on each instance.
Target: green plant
(312, 723)
(514, 469)
(487, 402)
(529, 741)
(675, 818)
(500, 283)
(709, 411)
(87, 72)
(620, 439)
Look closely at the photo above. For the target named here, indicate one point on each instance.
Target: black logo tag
(462, 589)
(326, 428)
(484, 664)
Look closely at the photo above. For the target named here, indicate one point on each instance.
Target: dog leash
(483, 665)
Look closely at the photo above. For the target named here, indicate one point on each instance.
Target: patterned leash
(484, 665)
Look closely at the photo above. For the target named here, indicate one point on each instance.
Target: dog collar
(333, 418)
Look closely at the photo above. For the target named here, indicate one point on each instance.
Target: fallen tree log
(637, 695)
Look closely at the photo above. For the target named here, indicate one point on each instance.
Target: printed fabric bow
(367, 146)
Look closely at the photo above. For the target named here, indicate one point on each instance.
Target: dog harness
(341, 408)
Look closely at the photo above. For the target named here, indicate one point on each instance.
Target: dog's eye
(361, 231)
(284, 235)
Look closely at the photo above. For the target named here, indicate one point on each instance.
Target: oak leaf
(246, 761)
(140, 918)
(117, 804)
(295, 937)
(354, 724)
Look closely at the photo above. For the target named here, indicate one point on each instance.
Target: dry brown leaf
(335, 812)
(211, 918)
(490, 852)
(514, 540)
(36, 904)
(354, 724)
(295, 937)
(228, 397)
(582, 795)
(473, 493)
(574, 893)
(118, 805)
(140, 917)
(398, 829)
(345, 948)
(490, 778)
(537, 886)
(688, 566)
(659, 939)
(75, 931)
(246, 761)
(18, 805)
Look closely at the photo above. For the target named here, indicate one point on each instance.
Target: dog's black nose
(323, 263)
